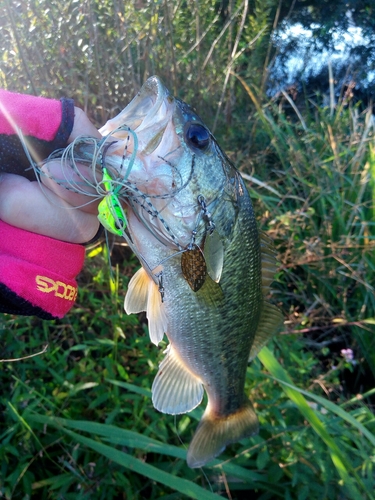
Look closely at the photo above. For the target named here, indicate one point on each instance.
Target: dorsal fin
(271, 318)
(175, 389)
(143, 295)
(269, 265)
(270, 321)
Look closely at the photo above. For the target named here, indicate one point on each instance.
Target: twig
(25, 357)
(228, 72)
(198, 42)
(359, 323)
(250, 178)
(226, 485)
(19, 45)
(220, 35)
(296, 110)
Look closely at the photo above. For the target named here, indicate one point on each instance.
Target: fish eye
(197, 136)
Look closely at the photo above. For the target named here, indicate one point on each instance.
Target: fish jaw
(147, 114)
(162, 167)
(149, 117)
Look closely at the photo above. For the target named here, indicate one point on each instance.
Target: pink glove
(37, 273)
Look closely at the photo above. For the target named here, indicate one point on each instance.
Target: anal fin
(175, 389)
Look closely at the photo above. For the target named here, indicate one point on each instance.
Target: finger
(82, 126)
(24, 205)
(62, 179)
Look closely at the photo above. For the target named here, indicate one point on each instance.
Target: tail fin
(214, 433)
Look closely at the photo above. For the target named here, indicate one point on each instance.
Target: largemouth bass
(205, 267)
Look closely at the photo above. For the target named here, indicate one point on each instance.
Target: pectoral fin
(214, 255)
(211, 293)
(143, 295)
(175, 389)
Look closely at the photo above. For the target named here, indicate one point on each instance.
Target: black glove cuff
(13, 159)
(11, 303)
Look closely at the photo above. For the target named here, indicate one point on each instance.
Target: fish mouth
(146, 158)
(148, 115)
(153, 163)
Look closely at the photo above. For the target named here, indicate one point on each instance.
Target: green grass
(77, 421)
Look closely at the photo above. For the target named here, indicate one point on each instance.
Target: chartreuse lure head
(110, 212)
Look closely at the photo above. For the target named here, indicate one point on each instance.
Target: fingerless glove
(37, 273)
(46, 125)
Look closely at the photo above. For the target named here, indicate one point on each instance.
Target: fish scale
(213, 336)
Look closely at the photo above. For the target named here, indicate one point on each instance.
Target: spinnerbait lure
(110, 212)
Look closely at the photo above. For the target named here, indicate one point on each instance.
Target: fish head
(179, 172)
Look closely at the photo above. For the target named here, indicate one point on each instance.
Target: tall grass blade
(117, 436)
(344, 415)
(184, 486)
(372, 176)
(339, 458)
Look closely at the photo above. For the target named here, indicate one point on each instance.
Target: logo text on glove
(60, 289)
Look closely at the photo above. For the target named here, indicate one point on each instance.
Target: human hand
(39, 209)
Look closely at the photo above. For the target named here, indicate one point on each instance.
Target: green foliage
(322, 218)
(77, 421)
(101, 52)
